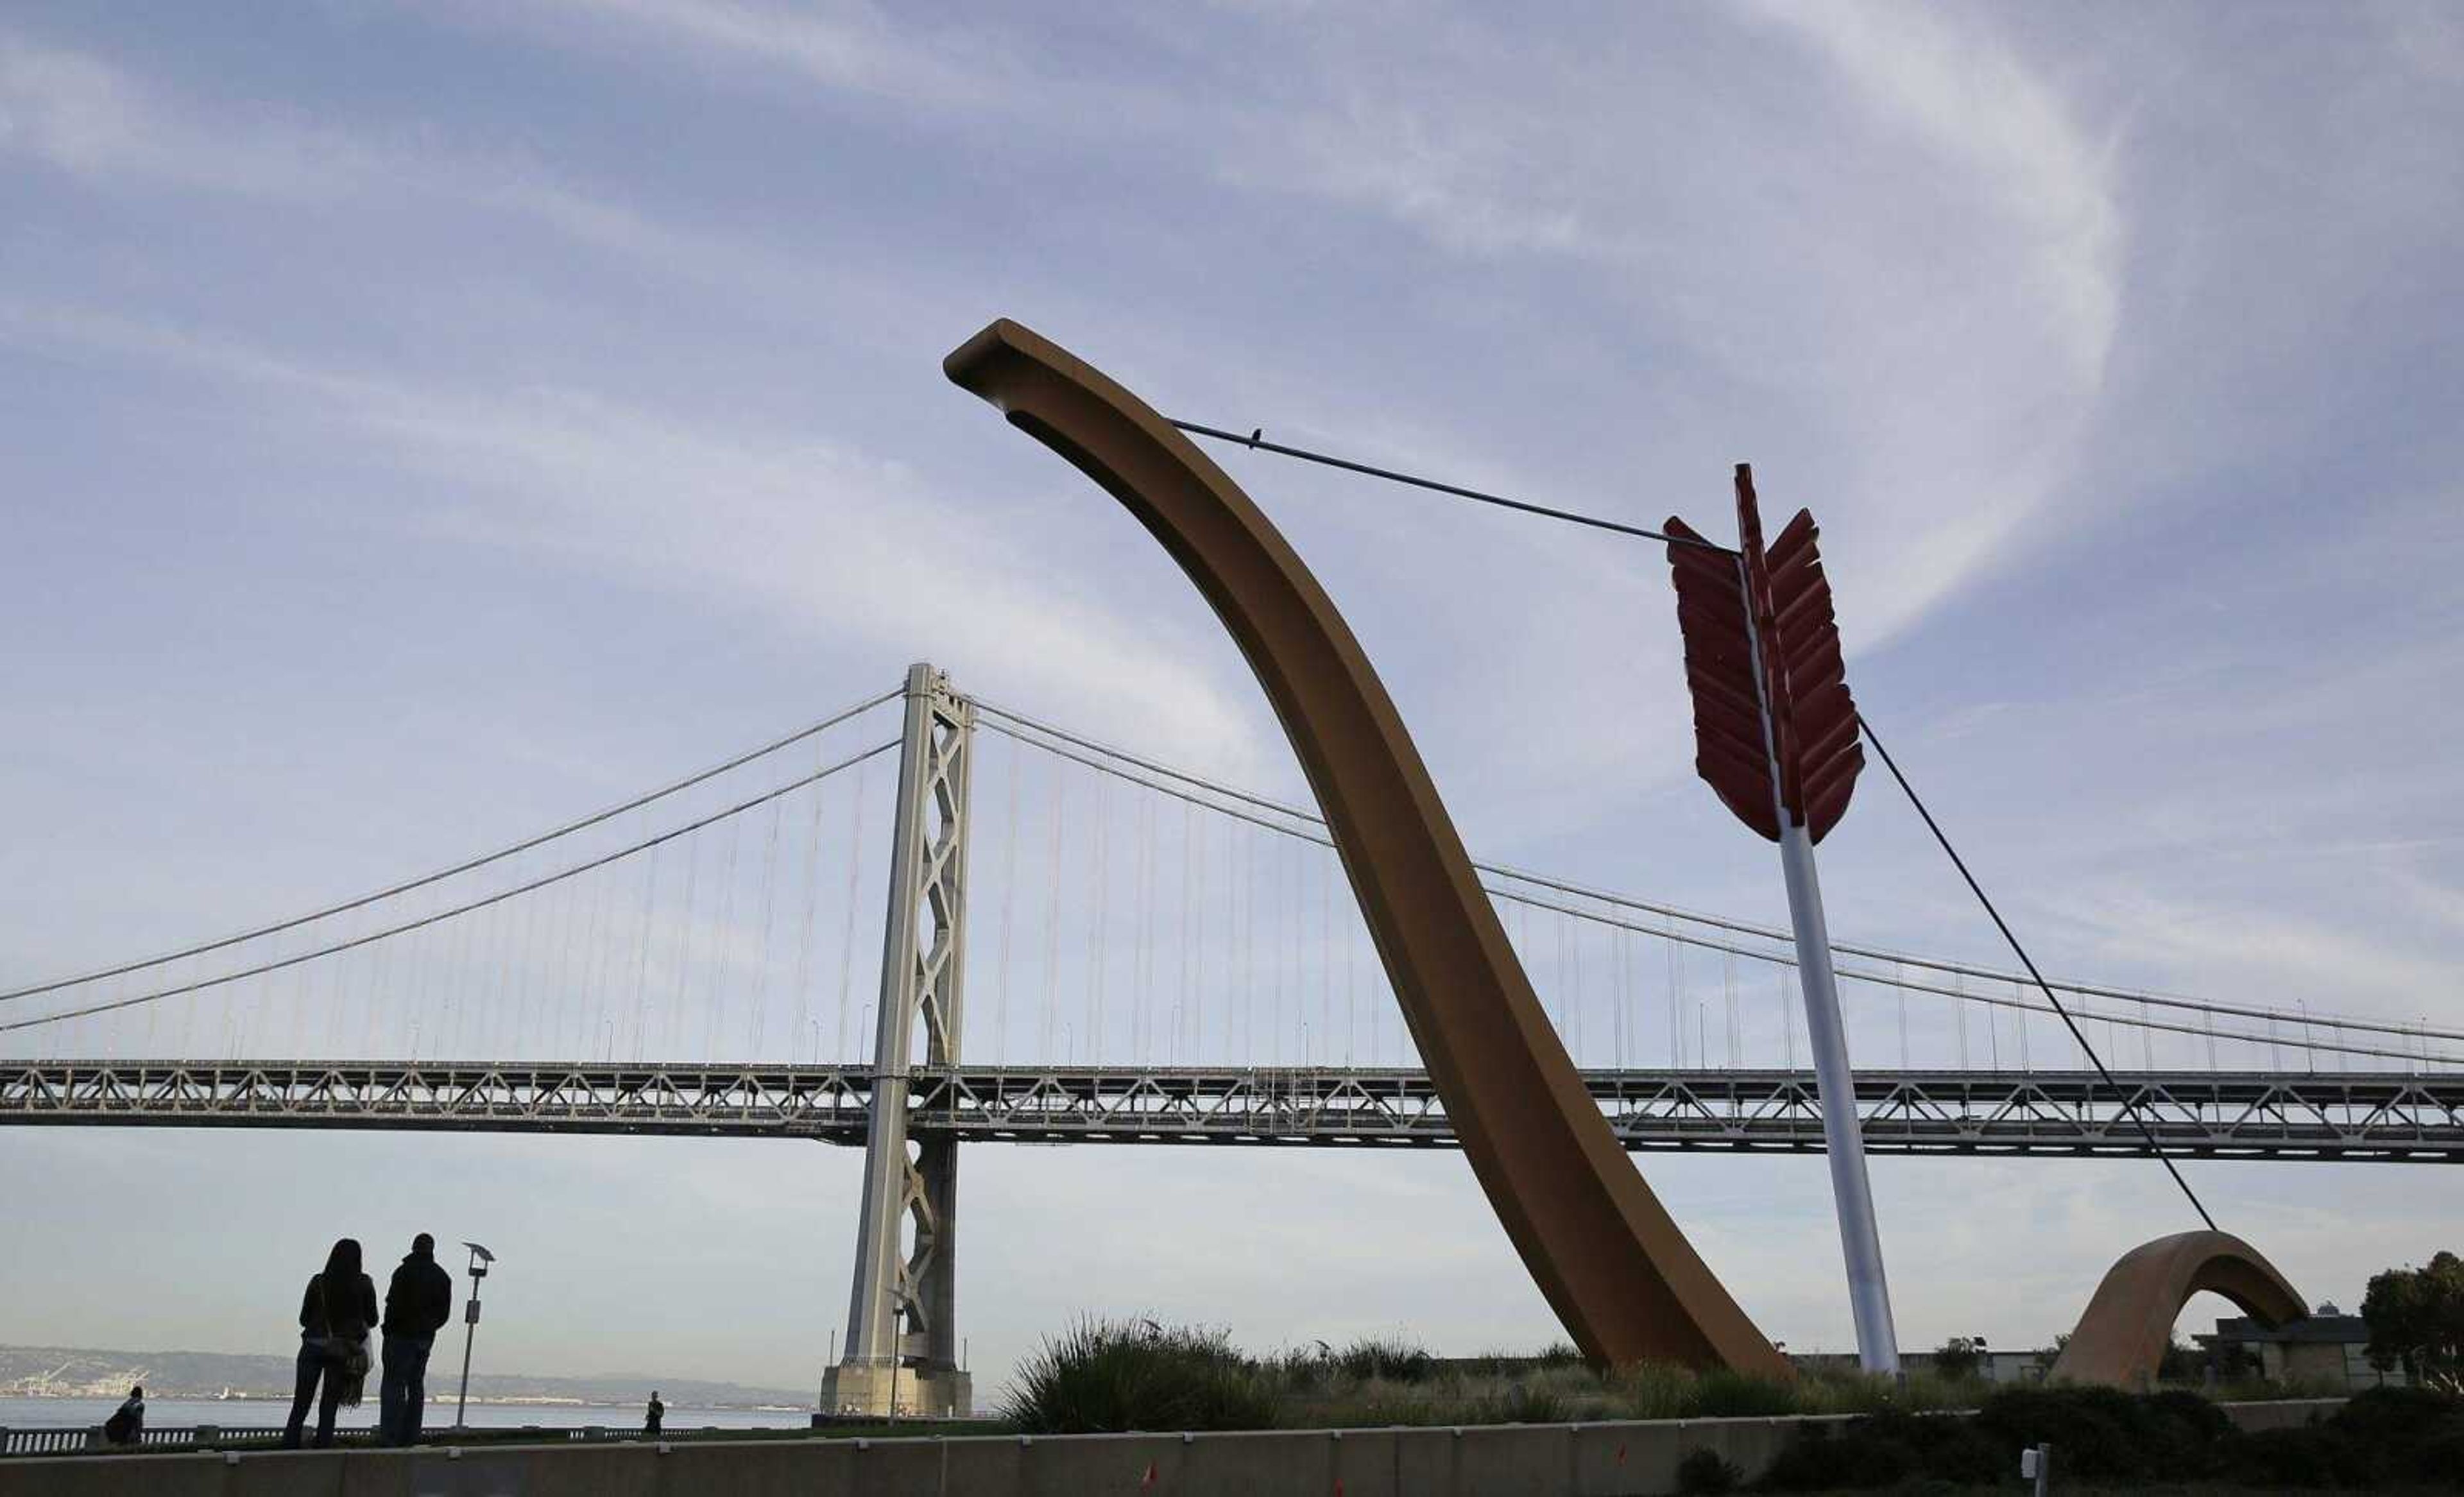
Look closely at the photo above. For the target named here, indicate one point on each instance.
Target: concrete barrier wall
(1609, 1459)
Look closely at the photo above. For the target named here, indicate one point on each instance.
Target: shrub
(2106, 1433)
(2098, 1434)
(1704, 1470)
(1103, 1376)
(1729, 1395)
(1652, 1390)
(1530, 1403)
(1959, 1357)
(1886, 1450)
(1393, 1358)
(2290, 1458)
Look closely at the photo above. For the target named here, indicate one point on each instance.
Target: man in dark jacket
(418, 1303)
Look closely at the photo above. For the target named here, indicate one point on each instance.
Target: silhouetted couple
(336, 1314)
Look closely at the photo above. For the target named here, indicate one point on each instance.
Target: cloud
(1906, 267)
(1971, 99)
(82, 116)
(839, 544)
(852, 47)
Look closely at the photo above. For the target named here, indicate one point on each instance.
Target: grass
(1114, 1375)
(1105, 1376)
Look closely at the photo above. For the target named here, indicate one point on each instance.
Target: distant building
(2329, 1348)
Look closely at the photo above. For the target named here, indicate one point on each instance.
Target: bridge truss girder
(2226, 1114)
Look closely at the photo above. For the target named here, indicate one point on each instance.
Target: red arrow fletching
(1813, 719)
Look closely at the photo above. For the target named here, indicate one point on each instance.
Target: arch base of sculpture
(2122, 1338)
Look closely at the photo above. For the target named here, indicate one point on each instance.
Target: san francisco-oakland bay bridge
(778, 946)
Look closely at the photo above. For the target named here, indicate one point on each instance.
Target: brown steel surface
(2121, 1338)
(1600, 1246)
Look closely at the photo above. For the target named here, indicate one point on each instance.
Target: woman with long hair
(335, 1314)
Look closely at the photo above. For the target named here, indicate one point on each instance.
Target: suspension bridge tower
(902, 1342)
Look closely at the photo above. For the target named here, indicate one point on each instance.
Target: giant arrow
(1775, 735)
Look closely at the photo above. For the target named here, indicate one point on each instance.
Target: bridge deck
(2359, 1115)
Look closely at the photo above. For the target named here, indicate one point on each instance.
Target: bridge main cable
(1007, 722)
(441, 915)
(440, 876)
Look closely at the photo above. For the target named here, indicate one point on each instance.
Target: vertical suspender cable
(529, 969)
(1198, 944)
(1009, 902)
(642, 960)
(1098, 863)
(805, 1023)
(1188, 897)
(1053, 922)
(1144, 1013)
(1275, 958)
(1787, 1017)
(1676, 997)
(769, 910)
(1900, 986)
(681, 1012)
(580, 939)
(714, 1017)
(1959, 1008)
(1352, 971)
(1248, 916)
(1304, 1034)
(846, 934)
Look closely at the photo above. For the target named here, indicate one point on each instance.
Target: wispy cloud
(1940, 357)
(105, 128)
(1970, 99)
(844, 44)
(818, 533)
(82, 116)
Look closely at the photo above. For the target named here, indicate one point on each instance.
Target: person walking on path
(335, 1312)
(418, 1302)
(653, 1414)
(128, 1423)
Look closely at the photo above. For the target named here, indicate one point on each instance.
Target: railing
(59, 1440)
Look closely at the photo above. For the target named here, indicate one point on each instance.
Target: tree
(2234, 1362)
(1958, 1357)
(2180, 1363)
(2417, 1320)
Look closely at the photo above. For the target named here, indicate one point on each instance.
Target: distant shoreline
(56, 1371)
(499, 1401)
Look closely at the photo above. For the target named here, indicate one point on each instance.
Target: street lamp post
(480, 1258)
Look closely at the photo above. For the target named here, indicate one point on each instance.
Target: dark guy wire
(2128, 1105)
(499, 898)
(1256, 443)
(440, 874)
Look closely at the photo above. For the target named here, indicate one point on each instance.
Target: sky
(420, 423)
